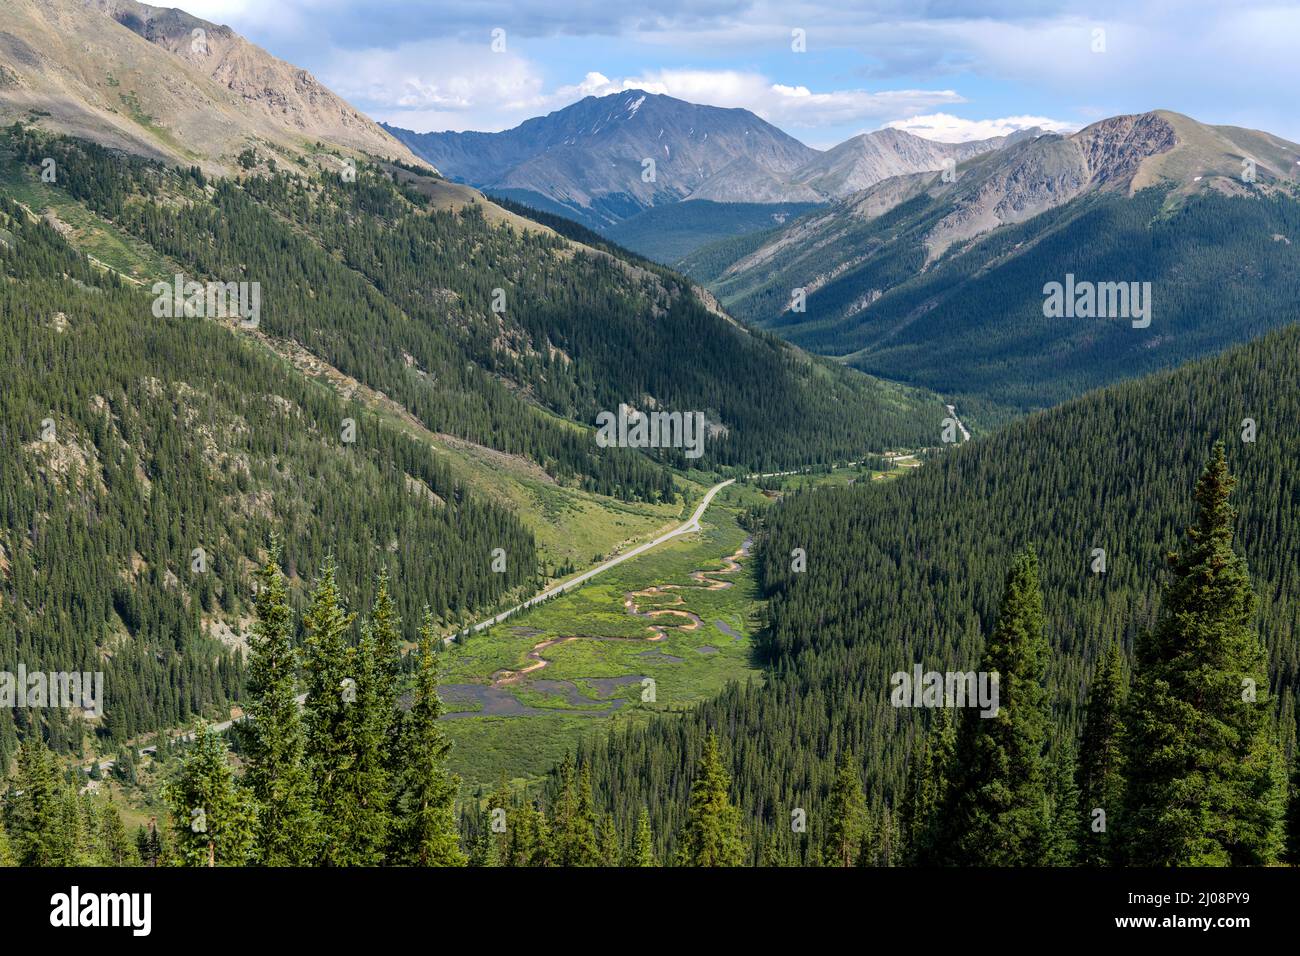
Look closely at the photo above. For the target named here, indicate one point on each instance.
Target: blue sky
(946, 69)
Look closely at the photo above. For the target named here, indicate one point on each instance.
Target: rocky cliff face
(282, 92)
(931, 215)
(166, 84)
(865, 160)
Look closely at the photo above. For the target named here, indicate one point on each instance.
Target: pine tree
(386, 628)
(274, 747)
(1063, 807)
(890, 838)
(214, 818)
(583, 846)
(1205, 784)
(713, 833)
(610, 847)
(425, 824)
(643, 849)
(574, 826)
(500, 800)
(544, 842)
(149, 844)
(927, 790)
(386, 634)
(79, 840)
(1292, 855)
(996, 812)
(844, 816)
(482, 848)
(7, 857)
(332, 690)
(525, 832)
(1101, 761)
(114, 846)
(36, 810)
(364, 779)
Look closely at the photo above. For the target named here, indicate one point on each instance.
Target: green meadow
(597, 675)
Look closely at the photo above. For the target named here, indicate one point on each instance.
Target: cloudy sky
(945, 69)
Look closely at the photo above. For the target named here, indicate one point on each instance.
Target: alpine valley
(579, 494)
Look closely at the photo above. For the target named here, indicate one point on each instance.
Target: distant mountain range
(589, 161)
(940, 282)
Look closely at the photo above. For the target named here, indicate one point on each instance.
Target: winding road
(687, 527)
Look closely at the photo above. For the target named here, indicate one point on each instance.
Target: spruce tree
(500, 800)
(1101, 762)
(713, 833)
(890, 838)
(425, 824)
(844, 816)
(997, 809)
(643, 849)
(1292, 854)
(7, 857)
(364, 779)
(332, 691)
(525, 831)
(870, 845)
(273, 739)
(213, 817)
(1063, 809)
(583, 846)
(563, 811)
(543, 843)
(113, 844)
(574, 826)
(78, 837)
(386, 629)
(36, 810)
(927, 790)
(386, 635)
(482, 846)
(610, 848)
(1205, 784)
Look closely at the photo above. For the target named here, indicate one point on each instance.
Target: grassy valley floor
(522, 693)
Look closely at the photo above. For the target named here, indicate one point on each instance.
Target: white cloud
(443, 84)
(786, 106)
(946, 128)
(437, 84)
(244, 15)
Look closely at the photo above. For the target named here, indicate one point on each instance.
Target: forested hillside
(889, 291)
(487, 332)
(146, 463)
(911, 571)
(169, 442)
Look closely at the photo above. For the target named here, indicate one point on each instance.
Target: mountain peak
(166, 84)
(606, 158)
